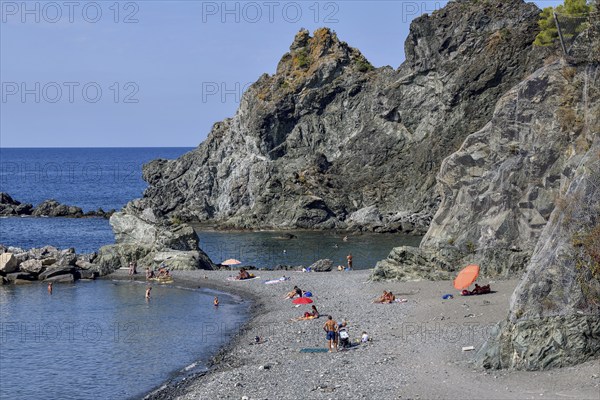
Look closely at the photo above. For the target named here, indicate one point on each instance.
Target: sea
(101, 339)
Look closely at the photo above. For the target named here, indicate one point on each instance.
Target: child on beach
(364, 338)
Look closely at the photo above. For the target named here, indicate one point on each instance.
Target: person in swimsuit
(349, 258)
(148, 293)
(50, 288)
(330, 329)
(216, 301)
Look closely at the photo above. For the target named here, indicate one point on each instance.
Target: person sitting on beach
(243, 274)
(308, 315)
(295, 292)
(313, 314)
(364, 338)
(381, 298)
(465, 292)
(386, 298)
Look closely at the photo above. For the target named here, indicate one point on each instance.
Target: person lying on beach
(478, 290)
(295, 292)
(386, 298)
(308, 315)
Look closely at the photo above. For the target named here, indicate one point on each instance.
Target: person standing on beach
(148, 293)
(50, 288)
(330, 329)
(349, 258)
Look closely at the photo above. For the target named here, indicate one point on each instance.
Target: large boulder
(142, 238)
(322, 265)
(8, 263)
(33, 266)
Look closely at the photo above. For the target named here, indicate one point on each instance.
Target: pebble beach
(419, 348)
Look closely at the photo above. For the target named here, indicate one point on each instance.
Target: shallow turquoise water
(102, 340)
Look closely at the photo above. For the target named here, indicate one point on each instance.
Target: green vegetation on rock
(549, 32)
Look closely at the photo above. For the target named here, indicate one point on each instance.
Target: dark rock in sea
(52, 208)
(329, 142)
(322, 265)
(11, 207)
(48, 208)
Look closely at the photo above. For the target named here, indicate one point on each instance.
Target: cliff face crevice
(381, 133)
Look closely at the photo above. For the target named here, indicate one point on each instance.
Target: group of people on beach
(162, 273)
(485, 289)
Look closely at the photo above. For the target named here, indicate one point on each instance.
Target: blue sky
(160, 73)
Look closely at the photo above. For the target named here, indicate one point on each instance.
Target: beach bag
(307, 294)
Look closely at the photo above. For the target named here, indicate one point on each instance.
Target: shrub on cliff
(576, 9)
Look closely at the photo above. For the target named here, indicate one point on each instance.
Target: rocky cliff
(525, 191)
(500, 188)
(328, 141)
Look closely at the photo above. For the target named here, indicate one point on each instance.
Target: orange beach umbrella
(466, 277)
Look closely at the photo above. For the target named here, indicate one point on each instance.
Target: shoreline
(176, 384)
(416, 350)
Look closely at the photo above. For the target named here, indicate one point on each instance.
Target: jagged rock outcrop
(10, 206)
(144, 240)
(499, 189)
(48, 208)
(330, 142)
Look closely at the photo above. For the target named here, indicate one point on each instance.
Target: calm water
(102, 340)
(85, 177)
(267, 249)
